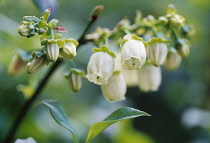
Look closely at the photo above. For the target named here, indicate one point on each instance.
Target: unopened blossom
(69, 50)
(115, 89)
(52, 50)
(157, 51)
(36, 64)
(183, 47)
(133, 53)
(16, 66)
(74, 78)
(149, 78)
(101, 66)
(173, 60)
(25, 29)
(177, 20)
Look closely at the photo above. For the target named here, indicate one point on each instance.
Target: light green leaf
(118, 115)
(31, 18)
(60, 117)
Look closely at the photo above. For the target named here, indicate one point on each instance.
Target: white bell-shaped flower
(130, 76)
(25, 29)
(16, 66)
(36, 63)
(74, 77)
(116, 88)
(52, 50)
(69, 48)
(149, 78)
(157, 51)
(183, 47)
(101, 66)
(133, 53)
(173, 60)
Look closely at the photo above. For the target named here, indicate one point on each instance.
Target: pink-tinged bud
(101, 66)
(46, 14)
(115, 89)
(149, 78)
(96, 12)
(36, 64)
(17, 66)
(60, 29)
(158, 51)
(133, 53)
(173, 60)
(52, 51)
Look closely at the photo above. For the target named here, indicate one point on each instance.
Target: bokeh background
(180, 109)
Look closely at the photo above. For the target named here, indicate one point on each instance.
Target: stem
(24, 110)
(28, 104)
(81, 39)
(51, 33)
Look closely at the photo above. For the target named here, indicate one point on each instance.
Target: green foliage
(118, 115)
(60, 117)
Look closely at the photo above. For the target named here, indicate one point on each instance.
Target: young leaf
(45, 4)
(118, 115)
(60, 117)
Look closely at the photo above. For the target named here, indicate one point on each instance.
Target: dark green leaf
(60, 117)
(118, 115)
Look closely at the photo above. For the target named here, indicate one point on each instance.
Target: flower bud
(96, 12)
(69, 49)
(115, 89)
(149, 78)
(173, 60)
(74, 78)
(157, 51)
(177, 20)
(46, 14)
(182, 46)
(25, 29)
(52, 50)
(101, 66)
(133, 53)
(36, 63)
(17, 66)
(188, 31)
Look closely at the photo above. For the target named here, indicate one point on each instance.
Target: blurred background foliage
(180, 109)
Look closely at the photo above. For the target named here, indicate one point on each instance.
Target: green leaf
(31, 18)
(45, 4)
(53, 23)
(118, 115)
(42, 24)
(60, 117)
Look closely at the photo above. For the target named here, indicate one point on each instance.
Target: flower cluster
(51, 40)
(144, 47)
